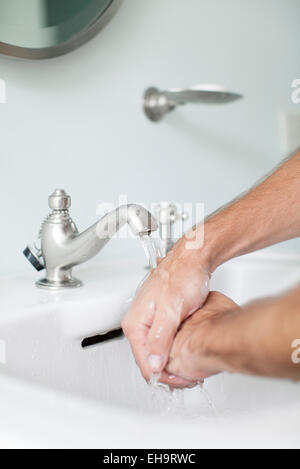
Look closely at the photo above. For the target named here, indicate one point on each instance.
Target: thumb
(160, 340)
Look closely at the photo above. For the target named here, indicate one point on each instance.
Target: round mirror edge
(65, 47)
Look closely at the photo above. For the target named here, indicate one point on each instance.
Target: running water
(164, 400)
(153, 249)
(208, 399)
(154, 252)
(172, 402)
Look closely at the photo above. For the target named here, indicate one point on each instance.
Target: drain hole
(97, 339)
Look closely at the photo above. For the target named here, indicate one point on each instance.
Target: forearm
(257, 340)
(269, 213)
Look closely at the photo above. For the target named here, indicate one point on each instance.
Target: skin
(176, 292)
(154, 319)
(221, 336)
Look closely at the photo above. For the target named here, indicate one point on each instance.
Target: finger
(176, 367)
(159, 341)
(174, 381)
(136, 334)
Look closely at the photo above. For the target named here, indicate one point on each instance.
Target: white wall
(76, 121)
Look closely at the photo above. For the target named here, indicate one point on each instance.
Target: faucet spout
(63, 247)
(87, 244)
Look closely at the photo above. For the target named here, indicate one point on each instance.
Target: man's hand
(256, 339)
(190, 356)
(173, 291)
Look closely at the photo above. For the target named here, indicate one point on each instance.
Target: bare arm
(267, 214)
(256, 340)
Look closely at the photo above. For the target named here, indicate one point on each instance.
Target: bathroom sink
(55, 393)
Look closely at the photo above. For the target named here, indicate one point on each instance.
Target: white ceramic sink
(54, 393)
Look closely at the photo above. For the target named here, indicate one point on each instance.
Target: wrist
(205, 244)
(237, 341)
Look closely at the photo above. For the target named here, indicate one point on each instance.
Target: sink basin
(55, 393)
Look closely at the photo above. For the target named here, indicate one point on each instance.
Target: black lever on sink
(97, 339)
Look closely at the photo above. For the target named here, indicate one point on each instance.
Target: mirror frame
(75, 42)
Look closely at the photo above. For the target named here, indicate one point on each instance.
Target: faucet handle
(59, 200)
(34, 256)
(167, 215)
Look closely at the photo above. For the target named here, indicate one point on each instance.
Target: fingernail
(155, 362)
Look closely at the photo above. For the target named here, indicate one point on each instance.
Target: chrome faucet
(167, 214)
(63, 247)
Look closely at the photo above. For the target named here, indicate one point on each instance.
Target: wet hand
(191, 356)
(173, 291)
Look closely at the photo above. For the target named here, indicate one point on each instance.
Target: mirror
(38, 29)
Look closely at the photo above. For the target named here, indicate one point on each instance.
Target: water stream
(153, 249)
(164, 400)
